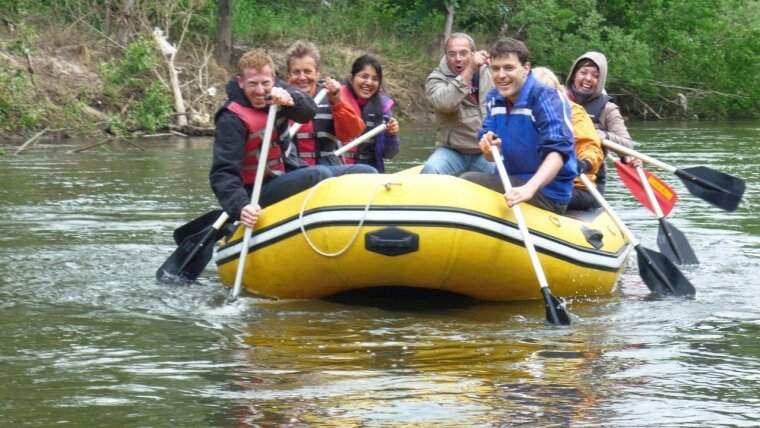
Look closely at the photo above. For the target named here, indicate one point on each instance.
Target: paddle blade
(197, 225)
(555, 312)
(661, 275)
(190, 258)
(674, 246)
(664, 194)
(722, 190)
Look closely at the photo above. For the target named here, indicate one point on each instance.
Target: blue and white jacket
(537, 124)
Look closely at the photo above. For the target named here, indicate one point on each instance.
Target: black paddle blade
(661, 275)
(190, 258)
(674, 246)
(722, 190)
(555, 312)
(195, 226)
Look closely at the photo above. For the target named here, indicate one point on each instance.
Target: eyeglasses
(365, 76)
(463, 54)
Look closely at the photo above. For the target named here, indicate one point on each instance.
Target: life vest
(365, 152)
(255, 122)
(316, 139)
(594, 108)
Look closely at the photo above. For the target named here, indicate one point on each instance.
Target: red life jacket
(255, 122)
(306, 143)
(316, 138)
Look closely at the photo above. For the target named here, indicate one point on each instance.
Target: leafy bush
(18, 110)
(139, 57)
(152, 110)
(130, 78)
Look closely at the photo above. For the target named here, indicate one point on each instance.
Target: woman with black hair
(364, 94)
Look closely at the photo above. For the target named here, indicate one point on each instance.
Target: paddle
(255, 195)
(666, 196)
(657, 271)
(672, 242)
(362, 138)
(555, 312)
(191, 256)
(199, 224)
(722, 190)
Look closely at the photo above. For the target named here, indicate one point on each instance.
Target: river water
(89, 338)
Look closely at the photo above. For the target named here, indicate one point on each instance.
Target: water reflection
(479, 366)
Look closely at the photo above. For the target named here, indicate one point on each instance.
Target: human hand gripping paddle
(657, 271)
(195, 239)
(555, 312)
(722, 190)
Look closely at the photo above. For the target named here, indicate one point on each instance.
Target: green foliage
(152, 110)
(18, 110)
(2, 152)
(116, 126)
(21, 8)
(70, 114)
(483, 16)
(131, 77)
(25, 36)
(139, 58)
(706, 50)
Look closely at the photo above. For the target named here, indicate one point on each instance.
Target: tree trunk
(124, 21)
(107, 17)
(179, 101)
(450, 8)
(223, 48)
(449, 20)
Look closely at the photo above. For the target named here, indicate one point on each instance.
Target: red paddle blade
(664, 194)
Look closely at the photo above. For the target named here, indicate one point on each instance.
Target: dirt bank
(65, 91)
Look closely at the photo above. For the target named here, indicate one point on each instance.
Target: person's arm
(473, 67)
(303, 109)
(390, 141)
(615, 130)
(556, 144)
(348, 124)
(613, 126)
(588, 146)
(551, 112)
(229, 151)
(549, 168)
(445, 94)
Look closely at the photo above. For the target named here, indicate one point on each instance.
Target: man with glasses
(240, 127)
(457, 92)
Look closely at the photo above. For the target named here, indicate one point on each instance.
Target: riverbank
(65, 82)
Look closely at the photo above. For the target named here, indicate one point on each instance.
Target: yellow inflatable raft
(427, 231)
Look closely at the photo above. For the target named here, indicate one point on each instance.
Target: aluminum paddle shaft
(555, 312)
(255, 195)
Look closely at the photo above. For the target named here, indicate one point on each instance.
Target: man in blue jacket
(531, 124)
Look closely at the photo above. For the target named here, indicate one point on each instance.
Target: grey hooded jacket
(610, 120)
